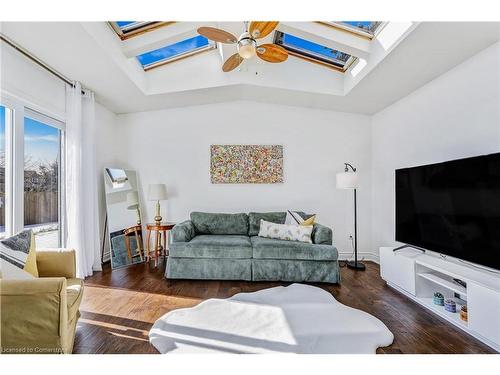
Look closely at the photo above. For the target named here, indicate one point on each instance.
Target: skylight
(366, 26)
(313, 52)
(173, 52)
(128, 29)
(362, 28)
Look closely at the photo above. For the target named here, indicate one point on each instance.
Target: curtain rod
(36, 60)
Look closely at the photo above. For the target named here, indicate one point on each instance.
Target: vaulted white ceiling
(403, 57)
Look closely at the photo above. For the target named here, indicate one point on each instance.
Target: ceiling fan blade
(261, 29)
(233, 62)
(272, 53)
(217, 35)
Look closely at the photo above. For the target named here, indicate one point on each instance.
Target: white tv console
(418, 275)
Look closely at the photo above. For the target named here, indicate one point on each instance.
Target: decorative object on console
(300, 233)
(438, 299)
(246, 164)
(157, 192)
(133, 204)
(450, 306)
(463, 313)
(349, 180)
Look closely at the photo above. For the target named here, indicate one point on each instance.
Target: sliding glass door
(31, 174)
(42, 151)
(3, 128)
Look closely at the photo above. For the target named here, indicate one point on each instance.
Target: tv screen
(452, 208)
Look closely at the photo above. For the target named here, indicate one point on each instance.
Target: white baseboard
(361, 256)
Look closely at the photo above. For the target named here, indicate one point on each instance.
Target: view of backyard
(41, 180)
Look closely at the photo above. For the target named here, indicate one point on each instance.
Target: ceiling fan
(247, 43)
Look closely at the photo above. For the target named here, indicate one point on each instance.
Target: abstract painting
(246, 164)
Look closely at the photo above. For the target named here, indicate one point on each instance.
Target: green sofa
(227, 247)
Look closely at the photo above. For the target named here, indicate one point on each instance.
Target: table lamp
(133, 204)
(157, 192)
(349, 180)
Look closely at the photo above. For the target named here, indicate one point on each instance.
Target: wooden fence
(39, 207)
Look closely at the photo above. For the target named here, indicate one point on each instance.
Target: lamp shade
(347, 180)
(132, 200)
(157, 192)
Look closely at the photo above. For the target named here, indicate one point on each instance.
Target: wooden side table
(160, 230)
(135, 231)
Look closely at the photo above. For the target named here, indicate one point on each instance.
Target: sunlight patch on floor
(129, 304)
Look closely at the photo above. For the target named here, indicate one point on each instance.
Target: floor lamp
(349, 180)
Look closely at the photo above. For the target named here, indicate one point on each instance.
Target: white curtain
(81, 181)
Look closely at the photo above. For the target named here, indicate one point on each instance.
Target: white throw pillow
(10, 272)
(301, 233)
(294, 218)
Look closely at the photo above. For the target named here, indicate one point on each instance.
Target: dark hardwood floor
(120, 306)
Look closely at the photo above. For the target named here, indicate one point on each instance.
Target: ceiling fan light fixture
(247, 48)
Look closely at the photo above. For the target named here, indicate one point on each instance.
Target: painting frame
(246, 164)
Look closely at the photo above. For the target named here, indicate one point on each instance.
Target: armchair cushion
(56, 263)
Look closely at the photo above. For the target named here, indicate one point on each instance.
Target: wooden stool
(136, 231)
(160, 229)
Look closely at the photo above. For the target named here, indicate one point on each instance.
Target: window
(31, 189)
(362, 28)
(129, 29)
(3, 123)
(366, 26)
(314, 52)
(42, 159)
(176, 51)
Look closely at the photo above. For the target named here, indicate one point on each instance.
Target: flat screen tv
(452, 208)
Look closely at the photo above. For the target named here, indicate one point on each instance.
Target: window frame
(209, 47)
(323, 61)
(14, 153)
(138, 29)
(338, 25)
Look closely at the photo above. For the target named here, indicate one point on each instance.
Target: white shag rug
(294, 319)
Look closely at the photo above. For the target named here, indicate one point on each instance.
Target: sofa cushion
(254, 219)
(268, 248)
(74, 293)
(217, 223)
(213, 246)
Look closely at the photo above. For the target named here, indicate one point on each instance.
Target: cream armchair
(40, 315)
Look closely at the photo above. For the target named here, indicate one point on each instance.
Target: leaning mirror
(124, 217)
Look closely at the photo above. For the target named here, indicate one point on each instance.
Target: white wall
(456, 115)
(23, 79)
(173, 147)
(107, 148)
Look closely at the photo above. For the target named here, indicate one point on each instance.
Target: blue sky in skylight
(365, 25)
(124, 23)
(172, 50)
(318, 49)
